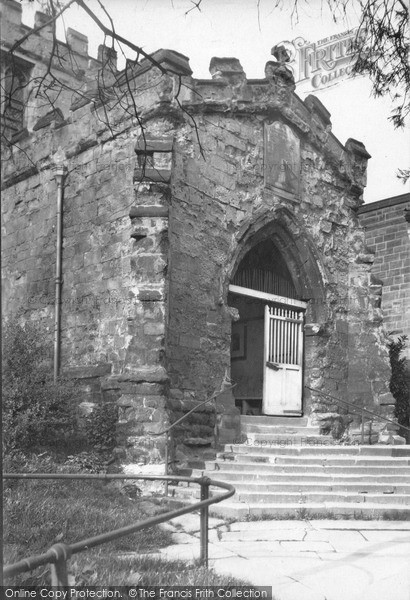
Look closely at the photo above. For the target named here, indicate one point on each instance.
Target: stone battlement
(163, 84)
(13, 29)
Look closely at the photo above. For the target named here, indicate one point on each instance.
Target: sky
(247, 30)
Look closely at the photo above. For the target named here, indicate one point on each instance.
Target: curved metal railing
(58, 555)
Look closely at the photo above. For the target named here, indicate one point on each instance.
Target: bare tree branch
(382, 48)
(25, 37)
(118, 37)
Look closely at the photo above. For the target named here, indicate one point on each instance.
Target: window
(145, 160)
(14, 94)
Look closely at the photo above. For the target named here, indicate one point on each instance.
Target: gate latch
(272, 365)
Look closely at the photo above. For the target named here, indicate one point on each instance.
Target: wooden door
(283, 361)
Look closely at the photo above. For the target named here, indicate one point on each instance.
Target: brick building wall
(387, 236)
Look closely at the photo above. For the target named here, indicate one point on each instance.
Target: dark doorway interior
(247, 353)
(262, 269)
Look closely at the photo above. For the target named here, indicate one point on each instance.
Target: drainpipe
(60, 172)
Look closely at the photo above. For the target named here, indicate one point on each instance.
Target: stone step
(320, 497)
(307, 493)
(306, 450)
(329, 510)
(287, 440)
(317, 479)
(257, 460)
(342, 459)
(328, 481)
(239, 510)
(247, 428)
(331, 467)
(307, 487)
(280, 421)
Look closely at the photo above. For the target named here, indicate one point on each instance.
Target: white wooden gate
(283, 361)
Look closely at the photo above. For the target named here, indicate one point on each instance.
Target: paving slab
(264, 535)
(251, 549)
(278, 573)
(335, 560)
(242, 569)
(219, 551)
(270, 525)
(386, 536)
(346, 557)
(347, 580)
(283, 565)
(296, 591)
(357, 524)
(390, 550)
(345, 541)
(368, 563)
(339, 582)
(334, 579)
(185, 552)
(191, 522)
(180, 537)
(396, 588)
(191, 552)
(307, 546)
(315, 536)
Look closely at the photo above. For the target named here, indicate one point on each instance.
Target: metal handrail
(58, 555)
(178, 421)
(359, 409)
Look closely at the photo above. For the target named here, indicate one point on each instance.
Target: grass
(146, 572)
(39, 513)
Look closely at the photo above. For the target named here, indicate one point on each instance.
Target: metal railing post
(362, 427)
(59, 577)
(205, 482)
(166, 461)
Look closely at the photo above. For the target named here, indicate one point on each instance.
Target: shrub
(100, 426)
(36, 411)
(398, 383)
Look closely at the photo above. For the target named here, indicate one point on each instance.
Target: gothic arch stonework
(298, 251)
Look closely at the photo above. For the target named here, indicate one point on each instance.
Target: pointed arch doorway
(267, 343)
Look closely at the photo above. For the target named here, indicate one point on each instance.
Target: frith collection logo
(323, 63)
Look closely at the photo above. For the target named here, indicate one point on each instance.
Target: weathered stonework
(156, 224)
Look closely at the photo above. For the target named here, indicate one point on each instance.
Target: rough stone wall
(386, 234)
(221, 206)
(114, 292)
(217, 200)
(157, 220)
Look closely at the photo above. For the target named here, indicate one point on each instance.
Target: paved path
(306, 560)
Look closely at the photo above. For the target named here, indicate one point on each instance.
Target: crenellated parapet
(89, 106)
(35, 53)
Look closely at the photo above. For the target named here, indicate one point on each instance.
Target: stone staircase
(284, 468)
